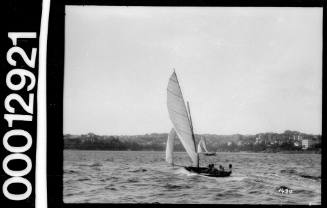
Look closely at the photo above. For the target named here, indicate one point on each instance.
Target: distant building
(305, 143)
(229, 143)
(258, 139)
(309, 142)
(299, 138)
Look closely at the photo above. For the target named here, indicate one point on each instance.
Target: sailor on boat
(212, 170)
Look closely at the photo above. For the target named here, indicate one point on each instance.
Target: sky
(243, 70)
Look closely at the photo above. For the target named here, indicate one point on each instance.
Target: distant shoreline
(291, 142)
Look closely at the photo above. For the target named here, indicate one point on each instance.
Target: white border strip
(41, 200)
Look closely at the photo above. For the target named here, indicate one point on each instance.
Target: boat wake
(183, 171)
(236, 177)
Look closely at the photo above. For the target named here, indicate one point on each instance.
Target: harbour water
(145, 177)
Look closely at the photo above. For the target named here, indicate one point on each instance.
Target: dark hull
(210, 153)
(204, 171)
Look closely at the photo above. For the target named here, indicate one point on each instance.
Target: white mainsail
(170, 146)
(180, 117)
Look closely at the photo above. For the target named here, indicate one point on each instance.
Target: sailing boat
(181, 118)
(202, 148)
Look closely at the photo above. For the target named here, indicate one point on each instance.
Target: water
(144, 177)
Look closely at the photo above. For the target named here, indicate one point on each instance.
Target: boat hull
(204, 171)
(207, 153)
(210, 153)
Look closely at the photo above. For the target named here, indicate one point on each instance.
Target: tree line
(266, 142)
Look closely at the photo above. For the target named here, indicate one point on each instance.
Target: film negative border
(20, 88)
(188, 3)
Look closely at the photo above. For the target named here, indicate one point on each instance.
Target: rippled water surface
(144, 177)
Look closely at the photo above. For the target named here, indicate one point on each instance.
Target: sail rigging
(180, 118)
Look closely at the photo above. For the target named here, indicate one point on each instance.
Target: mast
(189, 113)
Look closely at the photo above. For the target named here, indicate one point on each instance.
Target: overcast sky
(243, 70)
